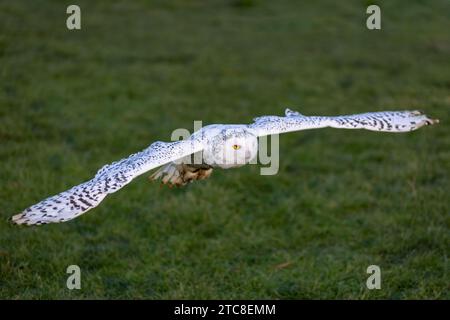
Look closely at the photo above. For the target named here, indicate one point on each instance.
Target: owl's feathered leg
(181, 174)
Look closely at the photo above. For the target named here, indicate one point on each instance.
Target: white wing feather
(110, 178)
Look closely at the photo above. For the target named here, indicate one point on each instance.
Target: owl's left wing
(388, 121)
(110, 178)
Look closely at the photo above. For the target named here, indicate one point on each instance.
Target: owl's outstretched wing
(110, 178)
(388, 121)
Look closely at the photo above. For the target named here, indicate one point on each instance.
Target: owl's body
(213, 146)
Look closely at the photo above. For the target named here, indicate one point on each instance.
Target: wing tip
(430, 122)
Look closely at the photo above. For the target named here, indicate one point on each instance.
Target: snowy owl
(219, 146)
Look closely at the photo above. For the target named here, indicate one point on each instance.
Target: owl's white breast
(228, 146)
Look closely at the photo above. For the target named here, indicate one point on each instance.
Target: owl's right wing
(110, 178)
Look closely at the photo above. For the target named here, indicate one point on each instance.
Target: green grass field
(72, 101)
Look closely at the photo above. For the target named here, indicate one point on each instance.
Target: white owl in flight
(219, 145)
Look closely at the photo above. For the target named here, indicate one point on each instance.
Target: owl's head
(233, 148)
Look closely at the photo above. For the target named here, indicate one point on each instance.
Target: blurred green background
(72, 101)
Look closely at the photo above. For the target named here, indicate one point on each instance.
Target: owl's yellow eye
(236, 146)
